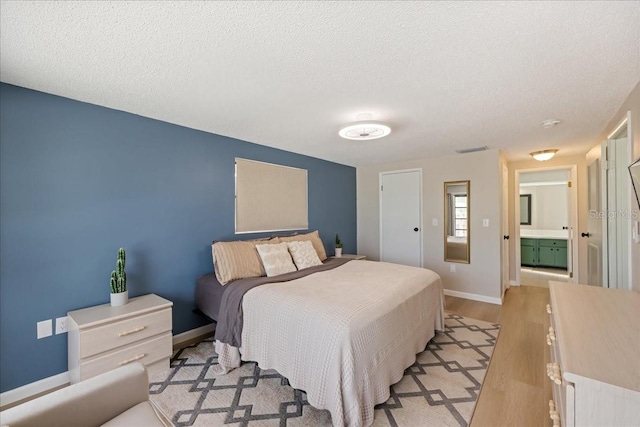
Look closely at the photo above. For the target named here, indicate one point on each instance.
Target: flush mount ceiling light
(544, 155)
(364, 129)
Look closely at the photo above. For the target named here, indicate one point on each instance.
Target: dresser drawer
(146, 352)
(119, 333)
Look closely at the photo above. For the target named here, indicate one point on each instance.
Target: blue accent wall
(78, 181)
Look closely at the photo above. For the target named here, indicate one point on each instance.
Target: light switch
(44, 328)
(485, 222)
(434, 222)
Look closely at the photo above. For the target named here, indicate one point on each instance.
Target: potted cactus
(118, 281)
(338, 247)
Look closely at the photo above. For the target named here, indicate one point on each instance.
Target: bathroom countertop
(544, 234)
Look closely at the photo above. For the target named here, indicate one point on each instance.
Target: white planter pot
(338, 252)
(120, 298)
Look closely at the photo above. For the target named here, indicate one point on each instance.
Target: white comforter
(343, 335)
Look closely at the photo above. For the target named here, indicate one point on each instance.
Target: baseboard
(513, 283)
(193, 333)
(32, 389)
(474, 297)
(44, 385)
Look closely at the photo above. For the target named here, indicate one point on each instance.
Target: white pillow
(304, 254)
(276, 259)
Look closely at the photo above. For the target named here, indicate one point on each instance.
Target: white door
(607, 226)
(505, 229)
(401, 217)
(617, 224)
(595, 220)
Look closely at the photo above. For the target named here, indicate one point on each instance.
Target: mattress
(208, 295)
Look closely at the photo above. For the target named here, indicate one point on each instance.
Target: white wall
(549, 206)
(482, 276)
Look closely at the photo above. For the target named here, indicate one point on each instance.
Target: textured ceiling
(444, 75)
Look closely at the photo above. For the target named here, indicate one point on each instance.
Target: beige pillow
(303, 254)
(276, 259)
(313, 237)
(236, 260)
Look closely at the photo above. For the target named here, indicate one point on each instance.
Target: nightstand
(103, 337)
(351, 256)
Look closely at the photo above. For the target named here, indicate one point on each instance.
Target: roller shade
(270, 197)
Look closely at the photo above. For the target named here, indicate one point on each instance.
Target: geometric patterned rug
(440, 389)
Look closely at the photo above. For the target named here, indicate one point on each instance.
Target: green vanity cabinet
(528, 252)
(543, 252)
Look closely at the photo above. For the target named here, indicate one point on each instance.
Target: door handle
(585, 234)
(505, 237)
(415, 229)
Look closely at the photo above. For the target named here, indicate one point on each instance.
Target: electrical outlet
(44, 328)
(485, 222)
(61, 325)
(434, 222)
(452, 268)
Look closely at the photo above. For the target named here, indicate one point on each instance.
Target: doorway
(545, 223)
(401, 217)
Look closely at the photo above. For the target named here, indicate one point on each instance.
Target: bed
(343, 331)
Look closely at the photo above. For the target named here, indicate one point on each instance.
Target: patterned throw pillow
(276, 259)
(313, 237)
(303, 254)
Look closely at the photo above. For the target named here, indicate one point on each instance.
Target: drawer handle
(132, 331)
(553, 372)
(548, 308)
(133, 359)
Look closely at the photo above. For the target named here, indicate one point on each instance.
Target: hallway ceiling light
(544, 155)
(364, 129)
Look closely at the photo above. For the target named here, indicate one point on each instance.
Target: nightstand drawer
(145, 352)
(117, 334)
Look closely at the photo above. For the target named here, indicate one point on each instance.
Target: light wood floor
(516, 390)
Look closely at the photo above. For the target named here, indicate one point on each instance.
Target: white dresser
(103, 337)
(594, 341)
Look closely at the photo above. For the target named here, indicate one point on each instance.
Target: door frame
(624, 121)
(421, 231)
(573, 218)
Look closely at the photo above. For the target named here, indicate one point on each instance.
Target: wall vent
(472, 150)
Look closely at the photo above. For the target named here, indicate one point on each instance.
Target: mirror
(634, 171)
(525, 209)
(456, 221)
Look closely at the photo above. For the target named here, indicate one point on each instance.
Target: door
(594, 221)
(505, 229)
(616, 222)
(401, 217)
(607, 227)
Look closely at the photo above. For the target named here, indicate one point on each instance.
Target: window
(460, 204)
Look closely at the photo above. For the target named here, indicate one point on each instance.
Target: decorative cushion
(257, 241)
(276, 259)
(303, 254)
(236, 260)
(313, 237)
